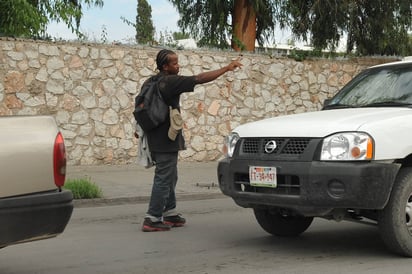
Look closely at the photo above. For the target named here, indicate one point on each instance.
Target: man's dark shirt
(170, 86)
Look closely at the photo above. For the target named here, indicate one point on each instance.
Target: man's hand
(234, 64)
(206, 77)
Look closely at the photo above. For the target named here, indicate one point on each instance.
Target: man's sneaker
(150, 226)
(174, 221)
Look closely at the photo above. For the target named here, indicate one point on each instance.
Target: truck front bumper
(311, 186)
(35, 216)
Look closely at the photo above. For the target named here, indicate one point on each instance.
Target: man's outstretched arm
(208, 76)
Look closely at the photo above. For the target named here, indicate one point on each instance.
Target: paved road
(219, 238)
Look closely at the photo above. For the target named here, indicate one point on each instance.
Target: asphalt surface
(133, 183)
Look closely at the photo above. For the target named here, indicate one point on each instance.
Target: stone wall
(90, 91)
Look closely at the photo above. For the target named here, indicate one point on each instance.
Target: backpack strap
(158, 78)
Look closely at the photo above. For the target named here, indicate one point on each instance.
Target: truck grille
(284, 146)
(273, 151)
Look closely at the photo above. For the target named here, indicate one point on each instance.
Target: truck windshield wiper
(336, 106)
(388, 104)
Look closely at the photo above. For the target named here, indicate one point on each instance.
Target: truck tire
(395, 221)
(278, 224)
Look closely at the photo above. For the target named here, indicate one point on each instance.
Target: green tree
(144, 25)
(29, 18)
(380, 27)
(371, 27)
(215, 22)
(180, 35)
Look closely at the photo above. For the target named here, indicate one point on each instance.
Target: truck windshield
(377, 87)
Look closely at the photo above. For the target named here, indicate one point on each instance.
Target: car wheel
(278, 224)
(395, 222)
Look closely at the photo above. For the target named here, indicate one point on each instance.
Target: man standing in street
(166, 140)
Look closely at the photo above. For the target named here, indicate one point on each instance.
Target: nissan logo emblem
(270, 146)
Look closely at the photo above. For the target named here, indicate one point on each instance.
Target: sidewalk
(133, 183)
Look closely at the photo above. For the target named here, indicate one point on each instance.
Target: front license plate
(262, 176)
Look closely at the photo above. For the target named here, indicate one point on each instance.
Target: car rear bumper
(34, 217)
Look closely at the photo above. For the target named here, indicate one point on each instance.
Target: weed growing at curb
(83, 188)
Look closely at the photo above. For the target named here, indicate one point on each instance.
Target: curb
(80, 203)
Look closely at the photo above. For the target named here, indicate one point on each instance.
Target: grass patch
(83, 188)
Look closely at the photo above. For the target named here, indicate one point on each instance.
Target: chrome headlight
(347, 146)
(230, 144)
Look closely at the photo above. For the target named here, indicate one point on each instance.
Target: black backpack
(150, 108)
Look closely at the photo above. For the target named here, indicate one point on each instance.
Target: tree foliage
(207, 21)
(380, 27)
(371, 27)
(144, 24)
(180, 35)
(29, 18)
(211, 21)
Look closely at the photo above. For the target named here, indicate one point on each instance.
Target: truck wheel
(278, 224)
(395, 222)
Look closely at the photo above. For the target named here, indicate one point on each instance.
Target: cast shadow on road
(359, 241)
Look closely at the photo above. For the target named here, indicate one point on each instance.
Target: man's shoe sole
(174, 224)
(153, 229)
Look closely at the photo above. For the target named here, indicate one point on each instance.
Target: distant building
(282, 49)
(285, 50)
(276, 50)
(189, 43)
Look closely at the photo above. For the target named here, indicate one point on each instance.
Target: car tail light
(59, 161)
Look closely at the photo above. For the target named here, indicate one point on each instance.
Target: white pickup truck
(350, 161)
(33, 205)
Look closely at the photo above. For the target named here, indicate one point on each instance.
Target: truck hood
(323, 123)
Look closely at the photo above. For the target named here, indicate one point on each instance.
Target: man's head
(167, 61)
